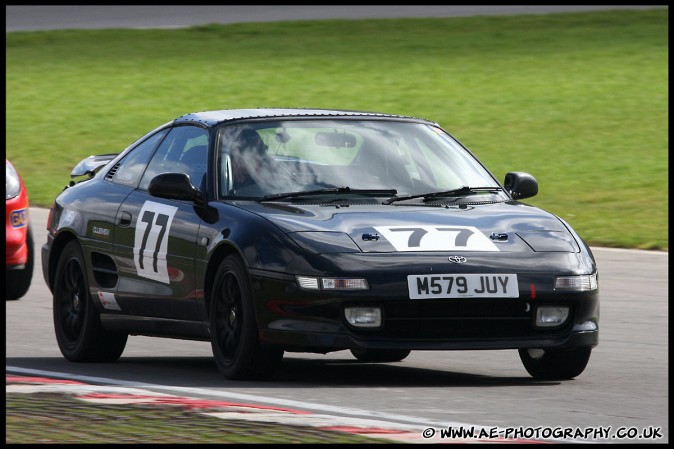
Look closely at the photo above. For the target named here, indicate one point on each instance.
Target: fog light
(363, 316)
(550, 316)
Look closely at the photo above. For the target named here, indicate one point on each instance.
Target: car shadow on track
(202, 372)
(400, 374)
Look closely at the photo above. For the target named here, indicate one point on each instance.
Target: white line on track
(201, 392)
(396, 427)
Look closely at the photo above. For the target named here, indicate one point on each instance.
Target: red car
(19, 236)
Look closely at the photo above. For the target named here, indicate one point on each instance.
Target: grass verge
(580, 100)
(51, 418)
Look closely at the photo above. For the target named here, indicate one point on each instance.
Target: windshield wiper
(454, 192)
(331, 190)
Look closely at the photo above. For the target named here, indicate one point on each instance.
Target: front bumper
(44, 254)
(16, 247)
(315, 321)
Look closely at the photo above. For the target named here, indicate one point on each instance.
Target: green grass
(579, 100)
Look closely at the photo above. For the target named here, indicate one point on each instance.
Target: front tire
(17, 282)
(380, 355)
(555, 364)
(234, 332)
(79, 333)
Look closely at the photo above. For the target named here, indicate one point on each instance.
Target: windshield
(366, 157)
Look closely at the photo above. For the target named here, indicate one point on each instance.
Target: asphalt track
(624, 389)
(57, 17)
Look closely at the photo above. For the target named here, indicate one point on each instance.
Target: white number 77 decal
(436, 238)
(151, 240)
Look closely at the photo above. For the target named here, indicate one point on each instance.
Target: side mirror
(174, 186)
(520, 185)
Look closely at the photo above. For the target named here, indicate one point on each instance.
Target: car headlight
(12, 182)
(582, 283)
(314, 283)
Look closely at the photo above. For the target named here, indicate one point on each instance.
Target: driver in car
(252, 170)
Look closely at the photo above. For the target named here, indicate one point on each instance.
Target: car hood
(507, 226)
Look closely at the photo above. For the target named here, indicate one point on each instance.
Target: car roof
(213, 118)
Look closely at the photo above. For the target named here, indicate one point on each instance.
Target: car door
(156, 238)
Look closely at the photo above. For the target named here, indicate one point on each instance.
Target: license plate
(463, 286)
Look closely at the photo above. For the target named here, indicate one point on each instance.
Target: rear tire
(77, 323)
(380, 355)
(555, 364)
(17, 282)
(234, 332)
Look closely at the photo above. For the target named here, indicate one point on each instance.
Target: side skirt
(156, 327)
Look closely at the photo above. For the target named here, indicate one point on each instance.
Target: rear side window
(185, 150)
(131, 168)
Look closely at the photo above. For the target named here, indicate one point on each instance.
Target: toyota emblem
(457, 259)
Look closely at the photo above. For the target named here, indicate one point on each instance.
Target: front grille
(457, 319)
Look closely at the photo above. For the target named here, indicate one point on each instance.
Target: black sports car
(302, 230)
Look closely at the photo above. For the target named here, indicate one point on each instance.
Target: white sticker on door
(151, 240)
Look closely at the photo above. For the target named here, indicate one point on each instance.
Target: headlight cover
(324, 242)
(549, 241)
(12, 182)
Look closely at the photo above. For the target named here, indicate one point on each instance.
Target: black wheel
(234, 332)
(555, 364)
(17, 282)
(77, 323)
(380, 355)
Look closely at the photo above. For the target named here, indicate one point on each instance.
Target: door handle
(124, 218)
